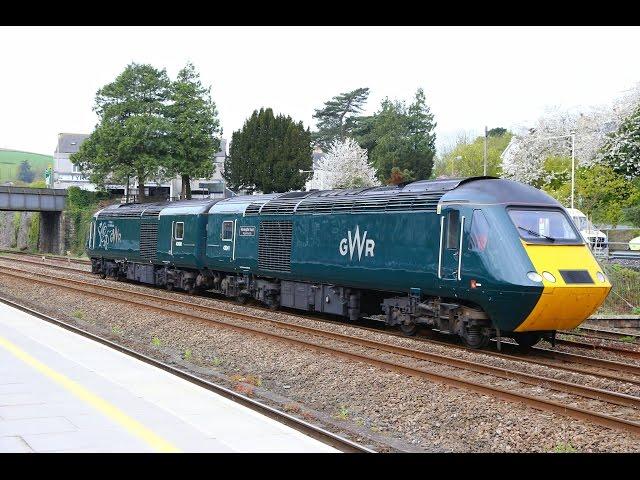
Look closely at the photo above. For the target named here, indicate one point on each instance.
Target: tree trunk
(186, 187)
(141, 194)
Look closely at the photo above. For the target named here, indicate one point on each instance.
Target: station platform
(62, 392)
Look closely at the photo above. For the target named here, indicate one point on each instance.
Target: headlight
(549, 277)
(601, 277)
(534, 277)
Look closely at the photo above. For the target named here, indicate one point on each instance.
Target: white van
(596, 239)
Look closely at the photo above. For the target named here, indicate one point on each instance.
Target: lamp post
(457, 158)
(484, 170)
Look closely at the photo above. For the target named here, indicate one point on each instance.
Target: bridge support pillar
(50, 233)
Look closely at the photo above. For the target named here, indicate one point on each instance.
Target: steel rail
(49, 256)
(549, 405)
(308, 429)
(556, 355)
(593, 346)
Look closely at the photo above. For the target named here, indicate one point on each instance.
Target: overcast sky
(471, 76)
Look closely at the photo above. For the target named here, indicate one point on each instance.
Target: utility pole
(484, 172)
(573, 165)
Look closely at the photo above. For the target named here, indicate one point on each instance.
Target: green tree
(268, 153)
(600, 192)
(632, 213)
(401, 136)
(497, 132)
(131, 138)
(337, 118)
(25, 173)
(194, 129)
(466, 158)
(622, 149)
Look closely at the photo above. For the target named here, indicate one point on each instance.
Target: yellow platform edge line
(112, 412)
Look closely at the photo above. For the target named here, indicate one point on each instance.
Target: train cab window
(479, 234)
(453, 229)
(178, 230)
(544, 226)
(227, 231)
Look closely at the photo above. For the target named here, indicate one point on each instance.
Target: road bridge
(50, 202)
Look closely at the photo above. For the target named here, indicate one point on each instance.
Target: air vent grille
(274, 246)
(148, 240)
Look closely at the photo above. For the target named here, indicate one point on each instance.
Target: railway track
(391, 357)
(603, 334)
(307, 428)
(48, 256)
(550, 358)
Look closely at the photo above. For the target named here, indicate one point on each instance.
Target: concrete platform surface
(61, 392)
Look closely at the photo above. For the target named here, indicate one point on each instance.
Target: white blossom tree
(524, 159)
(345, 165)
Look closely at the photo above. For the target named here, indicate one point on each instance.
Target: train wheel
(527, 340)
(475, 338)
(103, 275)
(241, 299)
(169, 287)
(409, 329)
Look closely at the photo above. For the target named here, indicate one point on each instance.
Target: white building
(66, 174)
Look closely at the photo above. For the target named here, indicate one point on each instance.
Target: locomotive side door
(451, 234)
(221, 238)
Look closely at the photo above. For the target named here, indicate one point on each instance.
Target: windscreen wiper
(536, 233)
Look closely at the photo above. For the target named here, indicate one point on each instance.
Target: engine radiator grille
(148, 240)
(576, 276)
(274, 246)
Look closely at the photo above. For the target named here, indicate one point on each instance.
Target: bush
(33, 234)
(624, 297)
(81, 205)
(632, 215)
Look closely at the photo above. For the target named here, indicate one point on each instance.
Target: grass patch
(343, 412)
(187, 355)
(627, 338)
(564, 448)
(116, 330)
(155, 341)
(79, 314)
(216, 362)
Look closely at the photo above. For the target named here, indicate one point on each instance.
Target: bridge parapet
(24, 199)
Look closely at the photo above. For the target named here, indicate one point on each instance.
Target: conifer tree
(195, 129)
(268, 153)
(337, 119)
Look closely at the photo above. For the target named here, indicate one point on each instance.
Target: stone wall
(14, 229)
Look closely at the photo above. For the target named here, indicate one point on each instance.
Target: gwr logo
(356, 243)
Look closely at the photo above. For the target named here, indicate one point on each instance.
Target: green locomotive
(476, 257)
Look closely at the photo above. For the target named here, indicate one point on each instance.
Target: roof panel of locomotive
(499, 191)
(155, 209)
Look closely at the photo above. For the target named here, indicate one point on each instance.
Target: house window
(75, 168)
(178, 230)
(227, 231)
